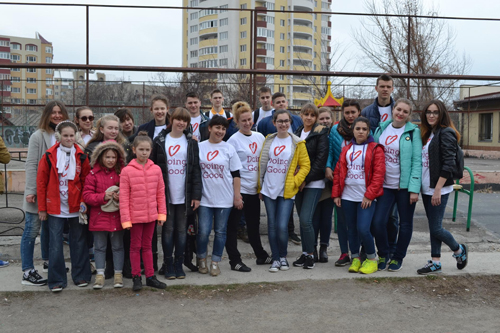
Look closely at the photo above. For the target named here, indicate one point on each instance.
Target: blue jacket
(335, 144)
(231, 129)
(371, 112)
(266, 126)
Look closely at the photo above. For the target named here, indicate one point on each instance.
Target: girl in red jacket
(60, 179)
(101, 194)
(142, 203)
(357, 182)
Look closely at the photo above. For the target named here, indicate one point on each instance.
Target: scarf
(70, 170)
(345, 130)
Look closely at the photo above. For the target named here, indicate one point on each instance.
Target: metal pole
(408, 69)
(254, 60)
(3, 116)
(143, 99)
(87, 51)
(252, 52)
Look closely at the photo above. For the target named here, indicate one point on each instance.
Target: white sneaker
(275, 266)
(284, 264)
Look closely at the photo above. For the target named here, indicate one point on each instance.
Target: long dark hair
(443, 120)
(344, 128)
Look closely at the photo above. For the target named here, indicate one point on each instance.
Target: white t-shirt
(176, 149)
(385, 113)
(390, 140)
(426, 176)
(263, 114)
(315, 183)
(53, 139)
(158, 129)
(63, 192)
(195, 124)
(248, 149)
(355, 184)
(280, 154)
(86, 138)
(217, 160)
(343, 144)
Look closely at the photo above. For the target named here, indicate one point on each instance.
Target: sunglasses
(85, 118)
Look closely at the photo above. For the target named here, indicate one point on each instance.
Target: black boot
(153, 282)
(169, 269)
(315, 254)
(137, 283)
(179, 272)
(189, 252)
(323, 255)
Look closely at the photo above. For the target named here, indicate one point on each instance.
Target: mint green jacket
(410, 155)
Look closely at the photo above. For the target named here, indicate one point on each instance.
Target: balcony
(303, 29)
(302, 22)
(261, 10)
(261, 24)
(305, 6)
(261, 65)
(261, 52)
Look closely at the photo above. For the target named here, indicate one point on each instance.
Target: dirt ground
(432, 304)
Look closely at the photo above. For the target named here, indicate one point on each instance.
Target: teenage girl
(108, 128)
(142, 203)
(60, 180)
(107, 162)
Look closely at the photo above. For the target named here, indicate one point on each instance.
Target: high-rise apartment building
(298, 40)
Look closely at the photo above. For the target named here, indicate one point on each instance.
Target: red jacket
(96, 184)
(374, 171)
(47, 183)
(142, 194)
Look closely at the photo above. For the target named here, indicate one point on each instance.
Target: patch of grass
(431, 277)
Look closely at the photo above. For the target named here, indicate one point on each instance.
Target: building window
(30, 59)
(31, 80)
(268, 60)
(48, 60)
(15, 46)
(193, 16)
(282, 23)
(243, 21)
(282, 36)
(49, 82)
(243, 48)
(243, 62)
(223, 48)
(4, 43)
(16, 90)
(485, 126)
(193, 3)
(282, 49)
(193, 28)
(282, 63)
(48, 91)
(49, 71)
(31, 70)
(208, 24)
(15, 57)
(208, 50)
(325, 5)
(194, 54)
(269, 19)
(223, 22)
(208, 63)
(282, 89)
(31, 91)
(243, 34)
(209, 11)
(193, 41)
(223, 35)
(15, 79)
(269, 47)
(32, 48)
(263, 32)
(326, 30)
(223, 62)
(282, 77)
(223, 8)
(48, 49)
(192, 65)
(15, 69)
(243, 6)
(5, 55)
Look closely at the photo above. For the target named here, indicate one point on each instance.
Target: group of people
(191, 172)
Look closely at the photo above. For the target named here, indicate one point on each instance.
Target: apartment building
(215, 37)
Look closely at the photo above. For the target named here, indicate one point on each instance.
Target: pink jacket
(96, 184)
(142, 194)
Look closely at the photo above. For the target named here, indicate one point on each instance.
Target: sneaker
(45, 267)
(241, 267)
(33, 279)
(343, 260)
(395, 265)
(153, 282)
(137, 280)
(99, 282)
(4, 263)
(309, 263)
(382, 264)
(118, 281)
(323, 254)
(356, 264)
(300, 261)
(275, 266)
(294, 238)
(429, 268)
(214, 268)
(202, 266)
(56, 289)
(284, 266)
(462, 257)
(264, 261)
(82, 283)
(369, 267)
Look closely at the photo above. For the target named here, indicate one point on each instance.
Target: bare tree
(384, 42)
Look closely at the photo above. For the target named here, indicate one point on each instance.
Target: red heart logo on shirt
(212, 154)
(384, 117)
(253, 147)
(278, 150)
(173, 151)
(195, 127)
(390, 139)
(355, 155)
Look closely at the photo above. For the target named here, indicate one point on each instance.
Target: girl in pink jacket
(142, 203)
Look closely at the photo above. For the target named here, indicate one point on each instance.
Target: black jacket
(442, 154)
(148, 127)
(317, 147)
(193, 170)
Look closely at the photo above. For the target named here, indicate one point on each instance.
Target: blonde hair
(99, 136)
(240, 108)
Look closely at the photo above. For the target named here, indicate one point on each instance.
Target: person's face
(193, 105)
(325, 119)
(217, 133)
(217, 100)
(67, 137)
(282, 123)
(109, 159)
(351, 113)
(128, 124)
(280, 103)
(308, 118)
(265, 100)
(86, 120)
(110, 130)
(384, 89)
(56, 116)
(179, 125)
(142, 151)
(361, 131)
(159, 110)
(245, 122)
(401, 113)
(432, 115)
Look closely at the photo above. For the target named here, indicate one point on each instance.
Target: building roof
(328, 99)
(479, 98)
(44, 41)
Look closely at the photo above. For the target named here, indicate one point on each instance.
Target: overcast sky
(153, 37)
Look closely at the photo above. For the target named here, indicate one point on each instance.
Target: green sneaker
(356, 264)
(382, 264)
(369, 267)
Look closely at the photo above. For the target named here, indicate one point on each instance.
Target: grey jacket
(39, 142)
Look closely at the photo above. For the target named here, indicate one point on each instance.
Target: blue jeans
(306, 202)
(205, 217)
(342, 230)
(31, 228)
(393, 229)
(381, 220)
(80, 264)
(322, 222)
(358, 227)
(438, 234)
(278, 214)
(174, 232)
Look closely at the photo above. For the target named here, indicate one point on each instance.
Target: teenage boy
(381, 109)
(280, 103)
(266, 106)
(217, 100)
(199, 122)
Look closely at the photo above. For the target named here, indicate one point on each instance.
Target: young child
(142, 203)
(107, 162)
(60, 179)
